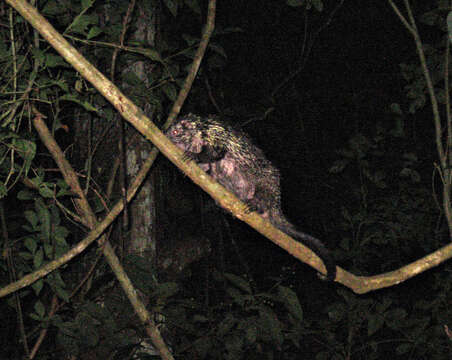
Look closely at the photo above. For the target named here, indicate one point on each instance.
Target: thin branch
(132, 114)
(402, 18)
(188, 82)
(305, 55)
(410, 24)
(7, 252)
(85, 210)
(43, 333)
(136, 117)
(447, 100)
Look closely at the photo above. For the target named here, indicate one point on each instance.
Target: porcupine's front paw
(252, 206)
(189, 155)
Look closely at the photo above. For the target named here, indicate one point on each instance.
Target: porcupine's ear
(187, 124)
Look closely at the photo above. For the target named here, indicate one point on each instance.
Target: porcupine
(232, 159)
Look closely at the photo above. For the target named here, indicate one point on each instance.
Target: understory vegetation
(360, 172)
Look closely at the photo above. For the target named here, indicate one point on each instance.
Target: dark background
(350, 77)
(357, 160)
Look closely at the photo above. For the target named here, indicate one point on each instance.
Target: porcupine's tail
(311, 242)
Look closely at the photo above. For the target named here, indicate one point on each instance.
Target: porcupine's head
(187, 133)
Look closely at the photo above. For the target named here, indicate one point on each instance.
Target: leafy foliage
(244, 325)
(391, 209)
(389, 216)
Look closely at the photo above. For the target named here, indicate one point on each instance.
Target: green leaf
(26, 149)
(218, 49)
(48, 250)
(3, 190)
(339, 166)
(74, 98)
(44, 218)
(203, 347)
(37, 286)
(152, 54)
(45, 191)
(82, 23)
(238, 282)
(226, 325)
(35, 317)
(396, 314)
(55, 215)
(382, 307)
(166, 290)
(337, 311)
(97, 311)
(200, 318)
(170, 91)
(290, 300)
(64, 192)
(32, 218)
(216, 62)
(374, 323)
(53, 60)
(55, 280)
(449, 25)
(89, 334)
(412, 174)
(86, 4)
(54, 8)
(171, 71)
(318, 4)
(396, 109)
(62, 184)
(323, 355)
(25, 256)
(24, 195)
(345, 244)
(30, 244)
(233, 345)
(37, 181)
(190, 40)
(38, 258)
(40, 309)
(348, 296)
(404, 348)
(249, 326)
(271, 324)
(67, 338)
(194, 6)
(431, 18)
(62, 293)
(172, 6)
(5, 135)
(60, 234)
(93, 32)
(62, 85)
(295, 3)
(236, 295)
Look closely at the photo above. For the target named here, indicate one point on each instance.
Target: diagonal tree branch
(136, 117)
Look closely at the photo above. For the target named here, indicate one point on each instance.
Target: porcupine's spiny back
(236, 142)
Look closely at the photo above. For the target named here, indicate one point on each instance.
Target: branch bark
(136, 117)
(227, 200)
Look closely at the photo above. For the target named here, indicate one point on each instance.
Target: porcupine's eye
(175, 132)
